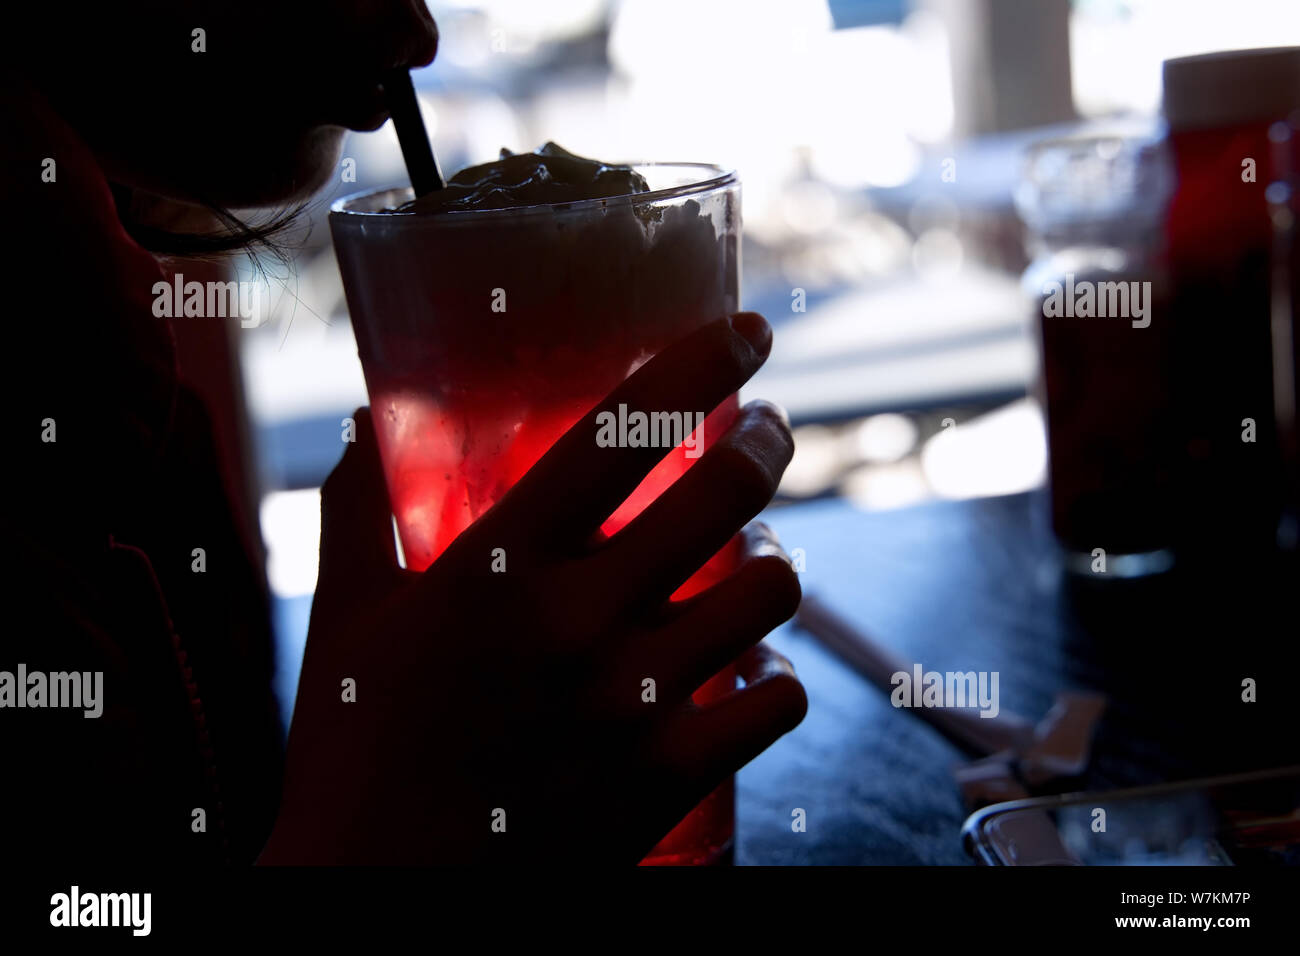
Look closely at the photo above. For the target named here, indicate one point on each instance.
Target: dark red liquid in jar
(1110, 425)
(1220, 239)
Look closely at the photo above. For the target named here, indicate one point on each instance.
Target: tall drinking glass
(485, 334)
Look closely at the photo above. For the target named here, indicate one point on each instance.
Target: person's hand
(478, 692)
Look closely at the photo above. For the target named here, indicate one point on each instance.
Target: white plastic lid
(1236, 86)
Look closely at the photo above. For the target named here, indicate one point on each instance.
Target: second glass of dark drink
(484, 334)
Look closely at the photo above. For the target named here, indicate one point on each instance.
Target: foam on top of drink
(549, 174)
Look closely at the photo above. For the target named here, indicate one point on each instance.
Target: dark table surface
(978, 585)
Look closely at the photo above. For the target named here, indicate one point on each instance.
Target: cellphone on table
(1245, 819)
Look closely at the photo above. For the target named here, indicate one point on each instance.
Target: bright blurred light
(1000, 453)
(867, 245)
(816, 463)
(885, 438)
(486, 123)
(1116, 49)
(808, 207)
(930, 76)
(291, 529)
(526, 23)
(883, 487)
(773, 91)
(667, 38)
(937, 255)
(859, 136)
(464, 40)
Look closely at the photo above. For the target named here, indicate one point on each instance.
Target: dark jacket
(100, 527)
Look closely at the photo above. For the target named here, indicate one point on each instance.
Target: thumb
(356, 534)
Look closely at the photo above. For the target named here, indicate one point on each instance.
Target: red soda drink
(485, 335)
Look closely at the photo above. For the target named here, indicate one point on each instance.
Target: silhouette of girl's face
(236, 102)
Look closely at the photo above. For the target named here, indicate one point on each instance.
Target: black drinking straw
(411, 135)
